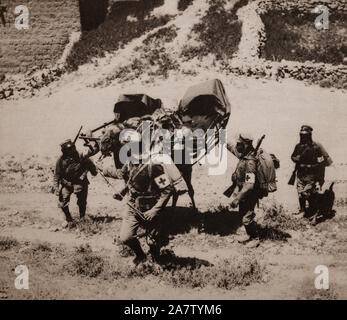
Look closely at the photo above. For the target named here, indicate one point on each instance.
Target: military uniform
(149, 190)
(245, 173)
(311, 159)
(71, 177)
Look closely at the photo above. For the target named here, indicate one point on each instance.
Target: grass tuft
(226, 274)
(309, 292)
(7, 243)
(276, 217)
(86, 263)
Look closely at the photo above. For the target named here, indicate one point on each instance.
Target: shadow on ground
(105, 219)
(181, 220)
(272, 233)
(169, 261)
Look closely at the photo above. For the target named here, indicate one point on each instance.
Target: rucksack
(266, 171)
(73, 170)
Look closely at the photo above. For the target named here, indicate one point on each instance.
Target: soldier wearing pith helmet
(245, 179)
(70, 176)
(149, 186)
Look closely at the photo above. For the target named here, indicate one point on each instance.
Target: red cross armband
(250, 178)
(162, 181)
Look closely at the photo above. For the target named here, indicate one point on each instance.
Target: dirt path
(289, 266)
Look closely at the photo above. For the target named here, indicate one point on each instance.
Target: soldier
(311, 159)
(244, 178)
(149, 187)
(71, 176)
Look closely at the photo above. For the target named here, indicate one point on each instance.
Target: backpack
(73, 170)
(266, 172)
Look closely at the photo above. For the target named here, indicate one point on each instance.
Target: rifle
(291, 181)
(88, 139)
(228, 193)
(78, 134)
(120, 196)
(103, 126)
(260, 141)
(85, 138)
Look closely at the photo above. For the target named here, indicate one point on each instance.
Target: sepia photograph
(173, 150)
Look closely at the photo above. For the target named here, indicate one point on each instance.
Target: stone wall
(51, 22)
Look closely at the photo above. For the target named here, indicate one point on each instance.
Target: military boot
(67, 214)
(135, 246)
(302, 203)
(154, 250)
(82, 210)
(252, 235)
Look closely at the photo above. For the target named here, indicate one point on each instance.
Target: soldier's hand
(56, 191)
(150, 215)
(117, 197)
(235, 203)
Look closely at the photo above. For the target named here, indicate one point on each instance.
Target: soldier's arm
(296, 156)
(245, 189)
(232, 149)
(251, 169)
(57, 175)
(327, 160)
(112, 172)
(93, 149)
(125, 172)
(92, 168)
(161, 203)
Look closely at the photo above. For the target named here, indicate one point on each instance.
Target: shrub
(242, 273)
(293, 36)
(184, 4)
(309, 292)
(276, 217)
(7, 243)
(219, 31)
(115, 32)
(91, 227)
(227, 274)
(86, 263)
(166, 34)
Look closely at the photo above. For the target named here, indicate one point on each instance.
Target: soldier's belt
(70, 184)
(134, 193)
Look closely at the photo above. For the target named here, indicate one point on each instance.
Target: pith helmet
(67, 145)
(245, 136)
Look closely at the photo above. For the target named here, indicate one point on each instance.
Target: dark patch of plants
(293, 36)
